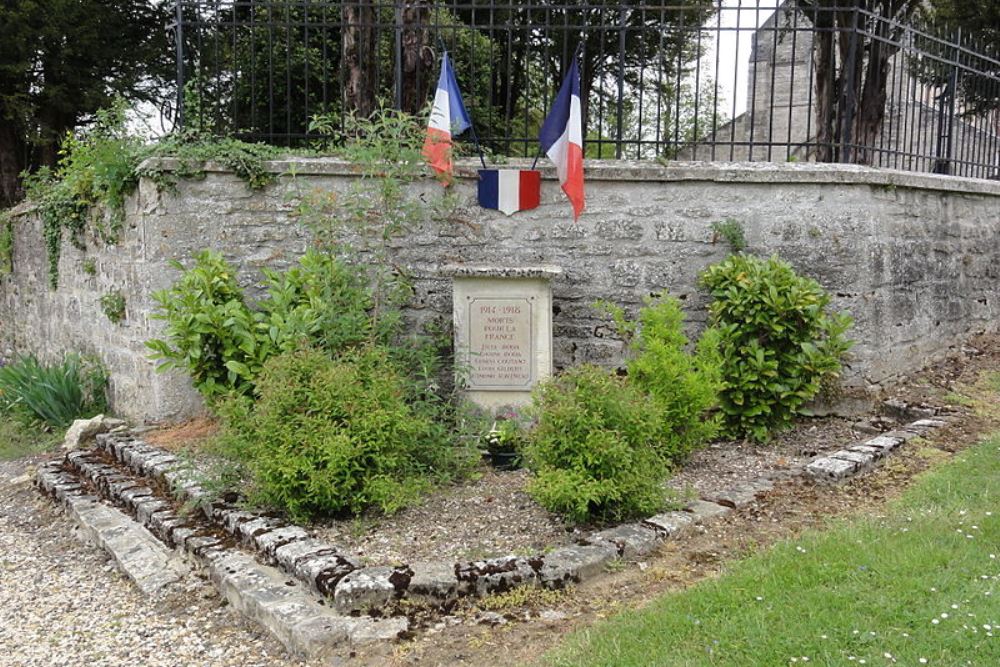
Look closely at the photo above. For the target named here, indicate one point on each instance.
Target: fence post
(848, 97)
(178, 27)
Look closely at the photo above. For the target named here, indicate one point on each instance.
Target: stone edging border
(363, 597)
(304, 625)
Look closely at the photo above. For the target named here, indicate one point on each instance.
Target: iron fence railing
(688, 80)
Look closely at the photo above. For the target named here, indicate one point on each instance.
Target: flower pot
(505, 460)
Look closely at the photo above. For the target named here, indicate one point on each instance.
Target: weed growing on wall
(113, 306)
(778, 342)
(730, 231)
(100, 166)
(6, 244)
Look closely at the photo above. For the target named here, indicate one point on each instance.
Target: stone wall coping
(497, 271)
(671, 172)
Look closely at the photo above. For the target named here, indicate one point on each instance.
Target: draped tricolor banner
(509, 190)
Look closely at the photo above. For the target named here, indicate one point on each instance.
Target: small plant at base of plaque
(504, 441)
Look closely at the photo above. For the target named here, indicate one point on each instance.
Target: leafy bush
(778, 342)
(212, 333)
(54, 395)
(222, 343)
(683, 386)
(323, 301)
(594, 450)
(329, 436)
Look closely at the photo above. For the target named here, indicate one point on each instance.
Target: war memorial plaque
(500, 343)
(503, 331)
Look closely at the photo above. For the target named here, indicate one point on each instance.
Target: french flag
(561, 137)
(510, 190)
(448, 117)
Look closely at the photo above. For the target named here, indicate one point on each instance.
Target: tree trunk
(871, 106)
(825, 80)
(418, 59)
(12, 163)
(359, 49)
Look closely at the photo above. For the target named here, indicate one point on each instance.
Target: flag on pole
(509, 190)
(561, 138)
(448, 118)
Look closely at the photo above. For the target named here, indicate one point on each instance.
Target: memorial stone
(503, 331)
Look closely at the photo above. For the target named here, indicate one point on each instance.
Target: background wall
(914, 258)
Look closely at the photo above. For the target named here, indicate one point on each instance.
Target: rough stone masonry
(914, 258)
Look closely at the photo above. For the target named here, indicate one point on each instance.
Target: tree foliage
(61, 61)
(977, 24)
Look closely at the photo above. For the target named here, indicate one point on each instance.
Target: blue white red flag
(561, 137)
(448, 118)
(509, 190)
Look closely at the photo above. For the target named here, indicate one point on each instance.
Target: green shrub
(778, 342)
(328, 436)
(594, 449)
(212, 333)
(222, 343)
(683, 386)
(323, 301)
(54, 395)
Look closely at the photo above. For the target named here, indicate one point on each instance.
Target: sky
(734, 47)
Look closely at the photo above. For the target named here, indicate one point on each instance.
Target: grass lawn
(920, 585)
(18, 439)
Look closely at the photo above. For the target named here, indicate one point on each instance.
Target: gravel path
(63, 604)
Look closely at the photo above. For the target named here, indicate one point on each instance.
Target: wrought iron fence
(689, 80)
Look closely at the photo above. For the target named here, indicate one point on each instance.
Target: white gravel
(62, 603)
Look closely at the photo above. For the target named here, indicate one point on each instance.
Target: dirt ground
(966, 385)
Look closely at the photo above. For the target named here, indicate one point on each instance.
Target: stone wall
(914, 258)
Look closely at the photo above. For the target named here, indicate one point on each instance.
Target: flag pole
(576, 54)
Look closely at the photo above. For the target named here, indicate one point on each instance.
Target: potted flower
(503, 442)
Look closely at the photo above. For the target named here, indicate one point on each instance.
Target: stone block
(495, 575)
(673, 524)
(378, 630)
(632, 540)
(735, 497)
(324, 573)
(863, 460)
(367, 588)
(289, 545)
(876, 453)
(574, 564)
(702, 510)
(886, 443)
(434, 582)
(831, 470)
